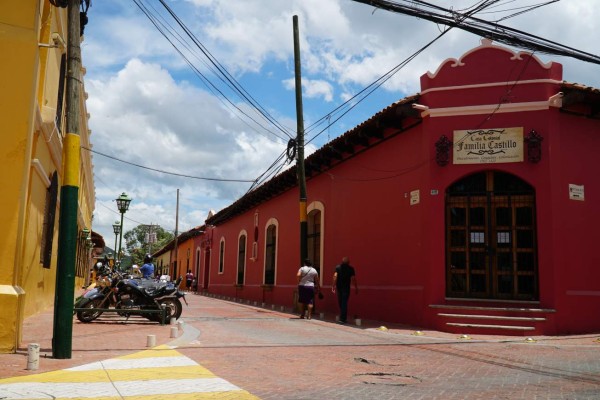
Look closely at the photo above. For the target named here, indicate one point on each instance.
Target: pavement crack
(386, 378)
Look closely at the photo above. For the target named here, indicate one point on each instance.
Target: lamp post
(116, 230)
(123, 205)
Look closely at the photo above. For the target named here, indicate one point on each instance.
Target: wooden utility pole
(300, 143)
(62, 337)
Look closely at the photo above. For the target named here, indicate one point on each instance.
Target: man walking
(343, 277)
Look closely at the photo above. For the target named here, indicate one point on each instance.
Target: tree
(145, 239)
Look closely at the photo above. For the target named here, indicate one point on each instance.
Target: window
(49, 217)
(254, 255)
(82, 257)
(270, 252)
(241, 264)
(222, 256)
(197, 264)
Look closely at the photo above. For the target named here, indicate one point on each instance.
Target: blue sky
(148, 107)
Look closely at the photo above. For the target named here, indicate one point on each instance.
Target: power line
(166, 172)
(219, 94)
(480, 27)
(368, 90)
(219, 70)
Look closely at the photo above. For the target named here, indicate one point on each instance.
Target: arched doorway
(491, 246)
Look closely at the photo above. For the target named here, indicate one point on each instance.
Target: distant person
(195, 286)
(308, 285)
(343, 277)
(189, 277)
(147, 269)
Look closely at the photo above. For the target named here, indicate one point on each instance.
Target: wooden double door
(491, 246)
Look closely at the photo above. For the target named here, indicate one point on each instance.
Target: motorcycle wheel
(121, 313)
(174, 308)
(91, 314)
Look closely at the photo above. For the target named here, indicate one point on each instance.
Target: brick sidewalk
(274, 355)
(107, 337)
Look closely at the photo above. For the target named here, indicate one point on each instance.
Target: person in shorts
(308, 285)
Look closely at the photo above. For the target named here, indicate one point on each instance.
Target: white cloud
(148, 108)
(143, 116)
(312, 88)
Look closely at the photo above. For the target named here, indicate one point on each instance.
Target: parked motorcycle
(119, 291)
(146, 294)
(100, 296)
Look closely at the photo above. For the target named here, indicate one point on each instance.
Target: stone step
(493, 317)
(483, 326)
(493, 309)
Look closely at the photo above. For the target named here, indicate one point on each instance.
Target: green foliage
(137, 245)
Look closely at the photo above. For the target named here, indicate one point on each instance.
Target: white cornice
(493, 84)
(487, 43)
(487, 109)
(39, 168)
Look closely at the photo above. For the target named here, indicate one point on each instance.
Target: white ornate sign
(488, 146)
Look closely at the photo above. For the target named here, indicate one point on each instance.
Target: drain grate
(385, 378)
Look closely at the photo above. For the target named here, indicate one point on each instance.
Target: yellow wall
(31, 153)
(164, 260)
(185, 257)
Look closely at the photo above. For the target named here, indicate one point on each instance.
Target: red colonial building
(469, 207)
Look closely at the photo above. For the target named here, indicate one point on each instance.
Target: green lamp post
(116, 229)
(123, 205)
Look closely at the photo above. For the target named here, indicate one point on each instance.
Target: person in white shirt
(308, 285)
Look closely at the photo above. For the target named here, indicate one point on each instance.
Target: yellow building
(33, 35)
(176, 263)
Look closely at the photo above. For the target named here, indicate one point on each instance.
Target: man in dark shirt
(343, 277)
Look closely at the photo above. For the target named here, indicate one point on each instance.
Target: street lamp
(122, 204)
(116, 230)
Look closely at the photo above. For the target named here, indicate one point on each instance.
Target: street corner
(149, 374)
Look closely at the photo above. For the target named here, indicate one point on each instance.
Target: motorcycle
(100, 296)
(147, 294)
(123, 293)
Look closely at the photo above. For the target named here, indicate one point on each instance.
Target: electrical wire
(224, 75)
(219, 94)
(268, 172)
(368, 90)
(166, 172)
(480, 27)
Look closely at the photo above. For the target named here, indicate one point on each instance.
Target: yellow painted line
(303, 211)
(72, 160)
(159, 351)
(101, 375)
(237, 395)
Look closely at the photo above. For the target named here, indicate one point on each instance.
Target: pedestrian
(343, 277)
(195, 286)
(308, 285)
(147, 269)
(189, 277)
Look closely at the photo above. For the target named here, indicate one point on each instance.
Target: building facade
(469, 207)
(33, 40)
(179, 256)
